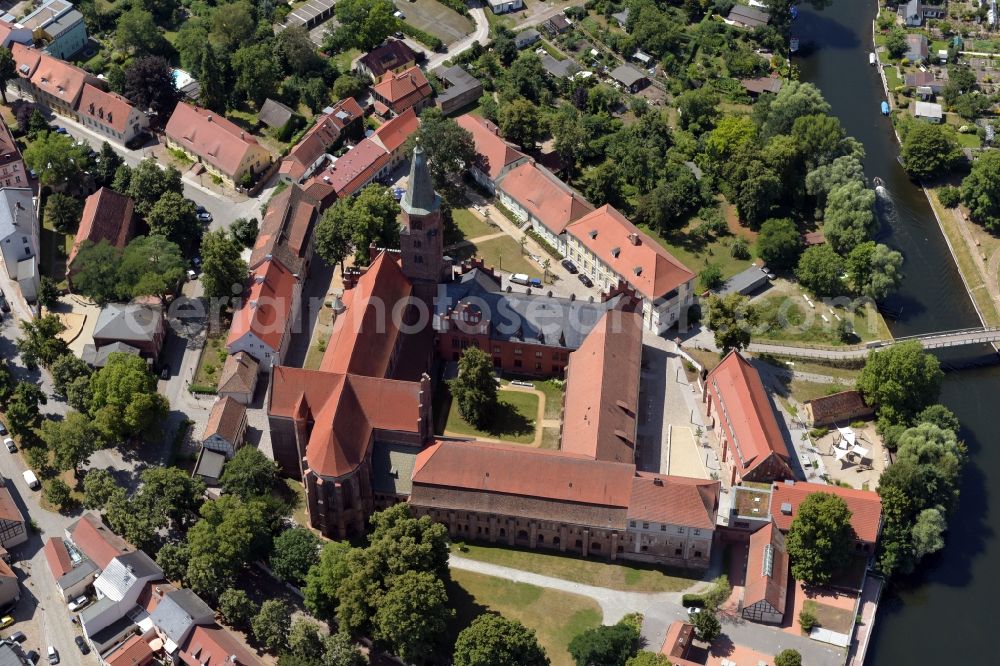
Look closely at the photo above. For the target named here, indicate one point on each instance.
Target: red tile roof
(286, 229)
(637, 258)
(225, 419)
(211, 136)
(267, 307)
(320, 136)
(678, 642)
(364, 336)
(133, 652)
(770, 585)
(57, 557)
(543, 195)
(354, 169)
(494, 153)
(394, 133)
(214, 646)
(674, 500)
(865, 506)
(105, 108)
(96, 541)
(602, 390)
(9, 152)
(403, 90)
(107, 216)
(8, 508)
(26, 59)
(742, 407)
(51, 75)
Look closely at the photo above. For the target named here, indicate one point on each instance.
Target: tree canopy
(58, 161)
(981, 190)
(874, 270)
(607, 645)
(494, 640)
(295, 551)
(732, 319)
(779, 243)
(249, 474)
(929, 151)
(370, 217)
(849, 216)
(223, 269)
(475, 389)
(124, 402)
(819, 270)
(900, 381)
(819, 539)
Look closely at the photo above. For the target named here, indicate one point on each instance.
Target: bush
(950, 197)
(740, 249)
(203, 389)
(57, 493)
(425, 38)
(816, 433)
(457, 5)
(710, 277)
(692, 601)
(807, 620)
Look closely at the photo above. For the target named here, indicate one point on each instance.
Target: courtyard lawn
(550, 439)
(554, 392)
(556, 617)
(969, 140)
(892, 77)
(802, 390)
(696, 253)
(615, 576)
(213, 357)
(501, 253)
(514, 420)
(470, 225)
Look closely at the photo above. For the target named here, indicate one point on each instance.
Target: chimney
(633, 238)
(657, 481)
(209, 118)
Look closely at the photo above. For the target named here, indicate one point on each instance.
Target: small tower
(421, 237)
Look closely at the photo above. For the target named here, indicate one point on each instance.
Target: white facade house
(19, 239)
(262, 327)
(505, 6)
(118, 589)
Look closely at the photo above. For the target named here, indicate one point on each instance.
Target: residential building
(13, 531)
(14, 33)
(286, 232)
(140, 325)
(567, 503)
(98, 357)
(345, 119)
(11, 654)
(211, 644)
(460, 89)
(107, 216)
(910, 11)
(505, 6)
(349, 173)
(111, 115)
(928, 111)
(393, 134)
(394, 55)
(238, 378)
(916, 48)
(766, 586)
(221, 146)
(396, 92)
(12, 171)
(744, 16)
(843, 407)
(134, 651)
(494, 156)
(621, 18)
(559, 69)
(226, 427)
(73, 572)
(557, 24)
(762, 84)
(741, 414)
(10, 589)
(106, 621)
(629, 78)
(262, 327)
(53, 83)
(19, 239)
(534, 194)
(526, 38)
(919, 80)
(865, 507)
(274, 114)
(59, 26)
(175, 617)
(525, 334)
(615, 254)
(95, 541)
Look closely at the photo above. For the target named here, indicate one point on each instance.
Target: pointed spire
(420, 198)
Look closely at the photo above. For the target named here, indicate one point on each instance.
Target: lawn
(213, 356)
(969, 140)
(343, 59)
(556, 617)
(696, 253)
(892, 77)
(626, 577)
(786, 317)
(550, 439)
(803, 391)
(552, 50)
(513, 421)
(470, 225)
(554, 391)
(435, 18)
(501, 253)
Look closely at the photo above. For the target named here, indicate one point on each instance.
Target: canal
(942, 616)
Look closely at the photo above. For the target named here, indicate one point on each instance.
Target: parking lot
(431, 16)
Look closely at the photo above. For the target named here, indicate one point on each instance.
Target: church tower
(421, 237)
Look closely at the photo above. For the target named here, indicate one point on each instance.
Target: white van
(520, 278)
(31, 479)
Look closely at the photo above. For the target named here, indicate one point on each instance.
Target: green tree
(608, 646)
(827, 177)
(647, 658)
(981, 190)
(348, 85)
(23, 414)
(930, 151)
(710, 276)
(173, 492)
(757, 196)
(173, 558)
(149, 83)
(8, 72)
(706, 626)
(849, 217)
(819, 270)
(475, 389)
(249, 474)
(124, 402)
(176, 218)
(39, 343)
(940, 416)
(136, 32)
(928, 532)
(305, 642)
(6, 382)
(779, 243)
(895, 43)
(334, 235)
(819, 539)
(730, 136)
(48, 292)
(673, 200)
(371, 217)
(339, 650)
(221, 263)
(698, 110)
(151, 266)
(788, 658)
(95, 271)
(295, 50)
(190, 43)
(795, 100)
(57, 493)
(230, 535)
(147, 183)
(520, 123)
(271, 625)
(365, 23)
(256, 71)
(98, 488)
(236, 607)
(71, 440)
(295, 552)
(448, 146)
(65, 370)
(245, 230)
(57, 160)
(63, 212)
(232, 25)
(731, 318)
(494, 640)
(525, 77)
(324, 578)
(900, 381)
(214, 84)
(413, 616)
(874, 270)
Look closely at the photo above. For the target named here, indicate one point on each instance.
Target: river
(941, 617)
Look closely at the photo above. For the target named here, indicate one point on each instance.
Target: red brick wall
(451, 343)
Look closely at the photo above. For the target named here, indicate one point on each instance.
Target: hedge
(202, 388)
(425, 38)
(457, 5)
(692, 601)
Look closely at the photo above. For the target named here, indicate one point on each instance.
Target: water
(943, 615)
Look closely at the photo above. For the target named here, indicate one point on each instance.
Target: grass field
(790, 319)
(892, 77)
(697, 253)
(514, 420)
(501, 253)
(627, 577)
(803, 390)
(443, 22)
(470, 225)
(212, 359)
(556, 617)
(343, 59)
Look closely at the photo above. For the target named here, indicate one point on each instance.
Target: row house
(396, 92)
(111, 115)
(263, 325)
(344, 120)
(534, 194)
(494, 156)
(56, 84)
(12, 170)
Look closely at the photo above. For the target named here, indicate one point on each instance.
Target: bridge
(938, 340)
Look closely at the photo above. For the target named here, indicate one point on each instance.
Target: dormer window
(593, 234)
(615, 251)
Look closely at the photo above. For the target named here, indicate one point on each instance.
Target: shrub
(740, 249)
(692, 601)
(710, 276)
(950, 197)
(807, 620)
(816, 433)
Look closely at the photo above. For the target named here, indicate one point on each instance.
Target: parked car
(569, 265)
(82, 644)
(3, 428)
(165, 372)
(9, 443)
(204, 216)
(521, 279)
(6, 621)
(692, 611)
(78, 603)
(4, 305)
(30, 479)
(535, 282)
(61, 130)
(31, 656)
(587, 282)
(18, 637)
(53, 655)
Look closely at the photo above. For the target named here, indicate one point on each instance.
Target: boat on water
(885, 108)
(877, 182)
(872, 59)
(793, 44)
